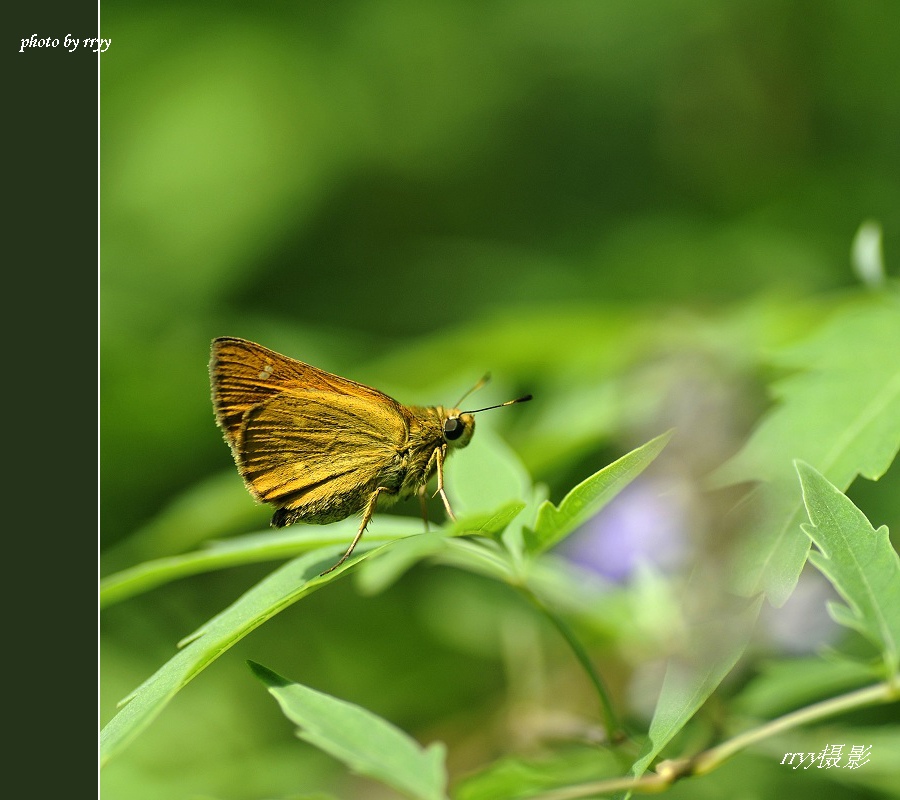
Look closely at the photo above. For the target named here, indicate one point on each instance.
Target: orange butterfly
(319, 447)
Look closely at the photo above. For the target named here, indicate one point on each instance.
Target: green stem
(667, 772)
(614, 731)
(710, 759)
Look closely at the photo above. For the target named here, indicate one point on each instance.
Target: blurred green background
(616, 206)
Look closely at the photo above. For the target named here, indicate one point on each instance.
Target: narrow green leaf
(714, 650)
(366, 743)
(554, 523)
(283, 587)
(489, 523)
(248, 549)
(858, 560)
(276, 592)
(376, 574)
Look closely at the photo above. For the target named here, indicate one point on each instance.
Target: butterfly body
(319, 447)
(401, 462)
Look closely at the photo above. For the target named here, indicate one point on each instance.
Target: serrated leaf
(366, 743)
(839, 411)
(283, 587)
(554, 523)
(858, 560)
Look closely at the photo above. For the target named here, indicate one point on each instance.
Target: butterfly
(319, 447)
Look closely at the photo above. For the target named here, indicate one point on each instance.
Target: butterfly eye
(453, 428)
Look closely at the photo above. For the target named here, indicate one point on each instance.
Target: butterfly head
(458, 428)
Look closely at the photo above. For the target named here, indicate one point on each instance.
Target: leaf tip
(267, 676)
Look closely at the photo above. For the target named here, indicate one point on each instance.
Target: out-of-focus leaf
(714, 651)
(790, 683)
(376, 574)
(511, 778)
(841, 413)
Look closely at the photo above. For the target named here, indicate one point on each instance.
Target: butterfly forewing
(302, 448)
(244, 374)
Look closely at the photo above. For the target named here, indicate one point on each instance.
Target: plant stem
(667, 772)
(710, 759)
(614, 731)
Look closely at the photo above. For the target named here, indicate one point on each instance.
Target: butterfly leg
(367, 515)
(423, 503)
(439, 460)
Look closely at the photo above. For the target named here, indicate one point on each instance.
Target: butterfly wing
(244, 374)
(320, 454)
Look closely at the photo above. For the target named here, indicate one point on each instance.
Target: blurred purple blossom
(647, 523)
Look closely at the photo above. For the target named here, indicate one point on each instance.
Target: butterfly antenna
(500, 405)
(485, 378)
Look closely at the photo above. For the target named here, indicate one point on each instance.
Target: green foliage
(364, 742)
(856, 559)
(840, 411)
(287, 584)
(295, 580)
(860, 563)
(784, 685)
(688, 684)
(554, 523)
(514, 778)
(647, 221)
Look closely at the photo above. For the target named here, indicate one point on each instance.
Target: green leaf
(554, 523)
(515, 777)
(485, 476)
(785, 685)
(366, 743)
(488, 523)
(283, 587)
(377, 574)
(248, 549)
(712, 653)
(840, 411)
(276, 592)
(858, 560)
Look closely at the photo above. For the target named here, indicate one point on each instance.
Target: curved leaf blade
(276, 592)
(366, 743)
(554, 523)
(250, 548)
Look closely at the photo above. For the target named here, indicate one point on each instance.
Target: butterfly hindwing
(320, 452)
